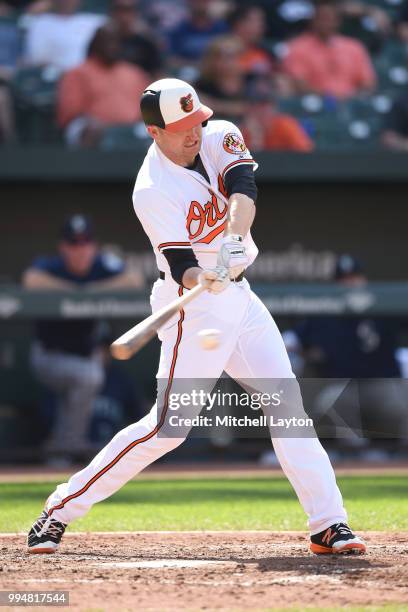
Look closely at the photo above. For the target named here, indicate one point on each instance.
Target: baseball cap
(173, 105)
(77, 229)
(347, 265)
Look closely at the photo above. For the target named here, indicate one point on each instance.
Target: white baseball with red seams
(178, 208)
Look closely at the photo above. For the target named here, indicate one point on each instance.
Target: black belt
(237, 279)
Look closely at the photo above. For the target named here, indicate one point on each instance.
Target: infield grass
(211, 503)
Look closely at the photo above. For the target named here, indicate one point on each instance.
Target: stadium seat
(393, 77)
(391, 7)
(339, 133)
(34, 92)
(392, 66)
(125, 138)
(95, 6)
(375, 106)
(363, 133)
(325, 131)
(316, 114)
(366, 31)
(308, 105)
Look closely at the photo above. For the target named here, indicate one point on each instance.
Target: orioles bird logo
(186, 103)
(233, 143)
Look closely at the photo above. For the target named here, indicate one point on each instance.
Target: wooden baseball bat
(133, 340)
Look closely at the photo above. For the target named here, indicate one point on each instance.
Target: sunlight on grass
(241, 503)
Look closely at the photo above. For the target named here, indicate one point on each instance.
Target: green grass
(373, 503)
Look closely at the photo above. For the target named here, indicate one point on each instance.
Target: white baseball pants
(251, 348)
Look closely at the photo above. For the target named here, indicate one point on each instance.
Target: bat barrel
(133, 340)
(120, 351)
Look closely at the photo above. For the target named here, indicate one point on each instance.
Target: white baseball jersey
(178, 208)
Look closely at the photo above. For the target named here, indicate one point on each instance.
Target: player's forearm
(39, 280)
(190, 277)
(126, 280)
(241, 214)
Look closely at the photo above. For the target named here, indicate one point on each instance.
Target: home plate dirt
(190, 571)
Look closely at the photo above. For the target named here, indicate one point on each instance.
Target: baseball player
(195, 197)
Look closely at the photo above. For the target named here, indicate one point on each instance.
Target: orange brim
(190, 121)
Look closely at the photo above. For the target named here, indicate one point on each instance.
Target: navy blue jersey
(74, 336)
(352, 347)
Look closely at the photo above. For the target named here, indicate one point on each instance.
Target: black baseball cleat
(337, 539)
(45, 535)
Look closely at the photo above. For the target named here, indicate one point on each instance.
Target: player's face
(180, 147)
(326, 21)
(66, 7)
(78, 257)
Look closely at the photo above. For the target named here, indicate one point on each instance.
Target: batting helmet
(173, 105)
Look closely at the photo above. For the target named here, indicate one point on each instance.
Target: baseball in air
(209, 339)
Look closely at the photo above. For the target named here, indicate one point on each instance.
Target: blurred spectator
(286, 18)
(119, 402)
(350, 347)
(265, 129)
(10, 47)
(6, 115)
(248, 24)
(222, 82)
(60, 38)
(402, 22)
(36, 7)
(164, 15)
(354, 348)
(64, 356)
(395, 134)
(138, 44)
(29, 6)
(289, 18)
(323, 61)
(9, 56)
(102, 91)
(374, 20)
(188, 41)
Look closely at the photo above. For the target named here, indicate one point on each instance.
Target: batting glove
(232, 255)
(216, 280)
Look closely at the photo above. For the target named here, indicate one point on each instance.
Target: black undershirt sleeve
(179, 261)
(240, 179)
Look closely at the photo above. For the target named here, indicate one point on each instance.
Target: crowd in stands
(293, 74)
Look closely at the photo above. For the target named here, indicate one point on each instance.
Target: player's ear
(153, 131)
